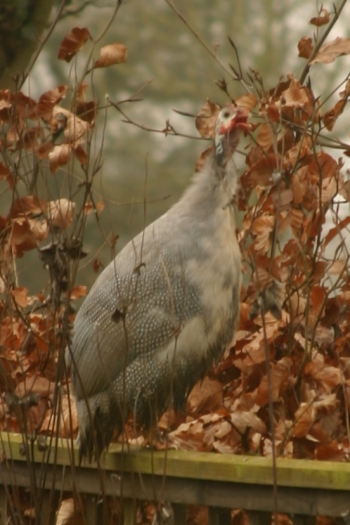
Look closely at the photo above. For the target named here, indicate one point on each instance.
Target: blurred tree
(21, 25)
(162, 50)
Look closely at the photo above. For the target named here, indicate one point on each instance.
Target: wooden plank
(187, 491)
(197, 465)
(300, 519)
(48, 507)
(3, 506)
(179, 511)
(129, 511)
(218, 516)
(91, 510)
(260, 518)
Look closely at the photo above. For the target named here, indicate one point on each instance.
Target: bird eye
(226, 114)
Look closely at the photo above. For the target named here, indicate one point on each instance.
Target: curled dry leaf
(261, 230)
(330, 117)
(300, 97)
(266, 136)
(329, 190)
(38, 384)
(26, 234)
(68, 424)
(305, 417)
(74, 128)
(81, 155)
(305, 47)
(20, 296)
(321, 19)
(87, 111)
(205, 397)
(327, 377)
(261, 172)
(279, 375)
(78, 291)
(329, 52)
(243, 420)
(333, 232)
(206, 119)
(67, 513)
(247, 101)
(338, 267)
(47, 101)
(27, 206)
(5, 174)
(111, 54)
(60, 213)
(73, 42)
(59, 156)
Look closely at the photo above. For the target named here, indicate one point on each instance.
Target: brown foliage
(285, 381)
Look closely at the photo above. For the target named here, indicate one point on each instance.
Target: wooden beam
(223, 494)
(193, 465)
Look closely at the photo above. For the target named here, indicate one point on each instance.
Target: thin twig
(205, 45)
(168, 130)
(317, 47)
(42, 43)
(95, 41)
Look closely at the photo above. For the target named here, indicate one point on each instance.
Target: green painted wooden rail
(219, 481)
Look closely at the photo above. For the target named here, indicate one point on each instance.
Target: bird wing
(118, 323)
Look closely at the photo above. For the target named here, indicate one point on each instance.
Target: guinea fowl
(164, 310)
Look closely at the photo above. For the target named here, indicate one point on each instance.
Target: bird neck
(212, 189)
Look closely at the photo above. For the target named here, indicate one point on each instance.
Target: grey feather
(162, 312)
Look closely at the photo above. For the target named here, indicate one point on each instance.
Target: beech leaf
(73, 42)
(322, 19)
(329, 52)
(111, 54)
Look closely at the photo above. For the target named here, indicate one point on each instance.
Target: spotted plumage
(165, 308)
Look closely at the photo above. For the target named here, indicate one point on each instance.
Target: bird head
(231, 122)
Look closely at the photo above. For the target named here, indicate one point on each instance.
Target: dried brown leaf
(74, 128)
(333, 232)
(329, 52)
(261, 172)
(81, 155)
(67, 513)
(77, 292)
(298, 97)
(111, 54)
(206, 119)
(304, 419)
(305, 47)
(243, 420)
(247, 101)
(321, 19)
(38, 384)
(73, 42)
(206, 396)
(279, 381)
(26, 234)
(27, 206)
(327, 377)
(337, 267)
(261, 229)
(60, 213)
(266, 136)
(59, 156)
(20, 296)
(330, 117)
